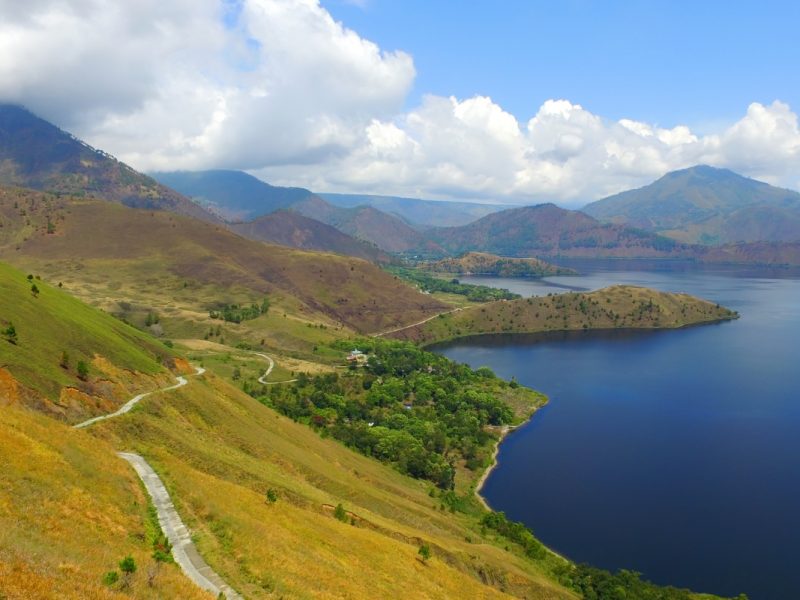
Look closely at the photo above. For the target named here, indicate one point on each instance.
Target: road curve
(183, 549)
(263, 379)
(135, 400)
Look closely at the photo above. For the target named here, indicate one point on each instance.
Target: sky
(512, 101)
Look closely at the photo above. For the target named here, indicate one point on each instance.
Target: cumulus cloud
(279, 88)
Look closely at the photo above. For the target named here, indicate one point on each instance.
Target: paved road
(135, 400)
(183, 549)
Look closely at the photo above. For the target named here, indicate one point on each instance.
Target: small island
(615, 307)
(483, 263)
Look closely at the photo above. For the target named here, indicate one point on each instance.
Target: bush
(83, 370)
(272, 496)
(340, 513)
(110, 578)
(424, 552)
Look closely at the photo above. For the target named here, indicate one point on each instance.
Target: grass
(219, 451)
(70, 510)
(51, 322)
(616, 307)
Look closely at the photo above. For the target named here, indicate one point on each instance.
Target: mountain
(706, 205)
(183, 267)
(547, 230)
(421, 214)
(38, 155)
(387, 232)
(234, 195)
(481, 263)
(289, 228)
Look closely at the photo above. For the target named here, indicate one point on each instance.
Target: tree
(35, 290)
(340, 513)
(64, 362)
(272, 495)
(128, 567)
(83, 370)
(110, 578)
(424, 552)
(10, 333)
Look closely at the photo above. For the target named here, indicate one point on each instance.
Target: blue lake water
(672, 453)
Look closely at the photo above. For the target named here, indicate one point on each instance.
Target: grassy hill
(37, 154)
(708, 206)
(34, 370)
(289, 228)
(547, 230)
(482, 263)
(134, 262)
(617, 307)
(234, 195)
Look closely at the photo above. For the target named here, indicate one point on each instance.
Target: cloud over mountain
(280, 88)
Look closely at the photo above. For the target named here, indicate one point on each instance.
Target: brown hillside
(91, 240)
(37, 154)
(288, 228)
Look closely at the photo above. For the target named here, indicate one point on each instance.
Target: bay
(672, 453)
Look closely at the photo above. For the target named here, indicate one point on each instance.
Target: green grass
(52, 322)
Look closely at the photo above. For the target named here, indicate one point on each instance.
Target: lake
(672, 453)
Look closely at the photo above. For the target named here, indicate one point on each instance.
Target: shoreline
(504, 432)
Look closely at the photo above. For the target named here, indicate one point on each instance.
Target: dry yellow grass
(219, 451)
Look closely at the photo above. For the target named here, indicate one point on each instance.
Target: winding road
(183, 549)
(263, 379)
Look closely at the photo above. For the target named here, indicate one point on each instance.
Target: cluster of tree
(515, 532)
(429, 283)
(598, 584)
(236, 313)
(415, 410)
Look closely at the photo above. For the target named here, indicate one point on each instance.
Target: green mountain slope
(706, 205)
(47, 322)
(37, 154)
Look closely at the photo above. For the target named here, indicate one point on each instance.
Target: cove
(672, 453)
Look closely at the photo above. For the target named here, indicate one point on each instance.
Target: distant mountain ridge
(289, 228)
(234, 195)
(420, 214)
(37, 154)
(706, 205)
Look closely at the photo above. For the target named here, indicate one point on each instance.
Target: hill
(387, 232)
(706, 205)
(292, 229)
(617, 307)
(421, 214)
(234, 195)
(38, 155)
(547, 230)
(481, 263)
(136, 262)
(47, 323)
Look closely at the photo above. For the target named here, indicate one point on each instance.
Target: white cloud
(279, 88)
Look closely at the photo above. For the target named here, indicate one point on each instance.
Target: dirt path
(263, 379)
(415, 324)
(183, 549)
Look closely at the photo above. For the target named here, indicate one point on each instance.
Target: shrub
(110, 578)
(83, 370)
(340, 513)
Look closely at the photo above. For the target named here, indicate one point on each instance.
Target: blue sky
(695, 63)
(508, 101)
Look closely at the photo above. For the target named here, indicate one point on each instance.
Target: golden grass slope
(70, 510)
(483, 263)
(616, 307)
(219, 451)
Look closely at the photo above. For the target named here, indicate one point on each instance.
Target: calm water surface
(672, 453)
